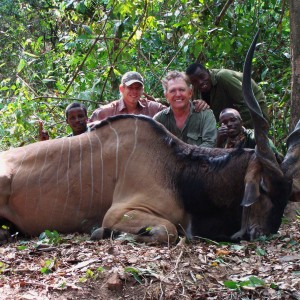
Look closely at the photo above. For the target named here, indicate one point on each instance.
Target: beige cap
(131, 77)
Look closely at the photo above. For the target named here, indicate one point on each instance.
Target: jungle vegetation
(55, 52)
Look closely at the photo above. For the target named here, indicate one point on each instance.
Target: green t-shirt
(226, 92)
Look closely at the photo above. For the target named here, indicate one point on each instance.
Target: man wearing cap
(131, 89)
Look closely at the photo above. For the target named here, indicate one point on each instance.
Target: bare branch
(223, 11)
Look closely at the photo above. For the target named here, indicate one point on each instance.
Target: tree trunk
(295, 62)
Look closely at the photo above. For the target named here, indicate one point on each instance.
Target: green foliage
(89, 274)
(49, 266)
(135, 273)
(2, 267)
(4, 227)
(237, 247)
(251, 282)
(297, 272)
(261, 252)
(50, 237)
(53, 52)
(21, 247)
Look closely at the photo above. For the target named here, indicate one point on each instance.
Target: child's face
(77, 120)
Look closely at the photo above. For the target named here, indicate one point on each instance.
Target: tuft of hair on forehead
(172, 75)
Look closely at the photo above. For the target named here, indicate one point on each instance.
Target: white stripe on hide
(117, 148)
(92, 176)
(102, 172)
(131, 154)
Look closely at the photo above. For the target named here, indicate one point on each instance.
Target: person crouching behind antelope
(232, 133)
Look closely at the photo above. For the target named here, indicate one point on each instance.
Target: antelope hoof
(98, 234)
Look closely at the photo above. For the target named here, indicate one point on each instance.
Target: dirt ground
(73, 267)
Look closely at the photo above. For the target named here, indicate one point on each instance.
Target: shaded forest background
(55, 52)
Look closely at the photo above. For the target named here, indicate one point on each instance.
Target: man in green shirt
(181, 119)
(222, 88)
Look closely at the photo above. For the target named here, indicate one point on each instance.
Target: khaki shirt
(199, 129)
(118, 107)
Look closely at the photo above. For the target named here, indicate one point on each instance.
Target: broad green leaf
(21, 65)
(274, 286)
(231, 284)
(21, 247)
(237, 247)
(255, 281)
(30, 54)
(134, 272)
(260, 251)
(87, 29)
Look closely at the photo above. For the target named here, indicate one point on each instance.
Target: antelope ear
(251, 194)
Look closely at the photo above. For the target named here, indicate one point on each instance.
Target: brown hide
(131, 175)
(69, 184)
